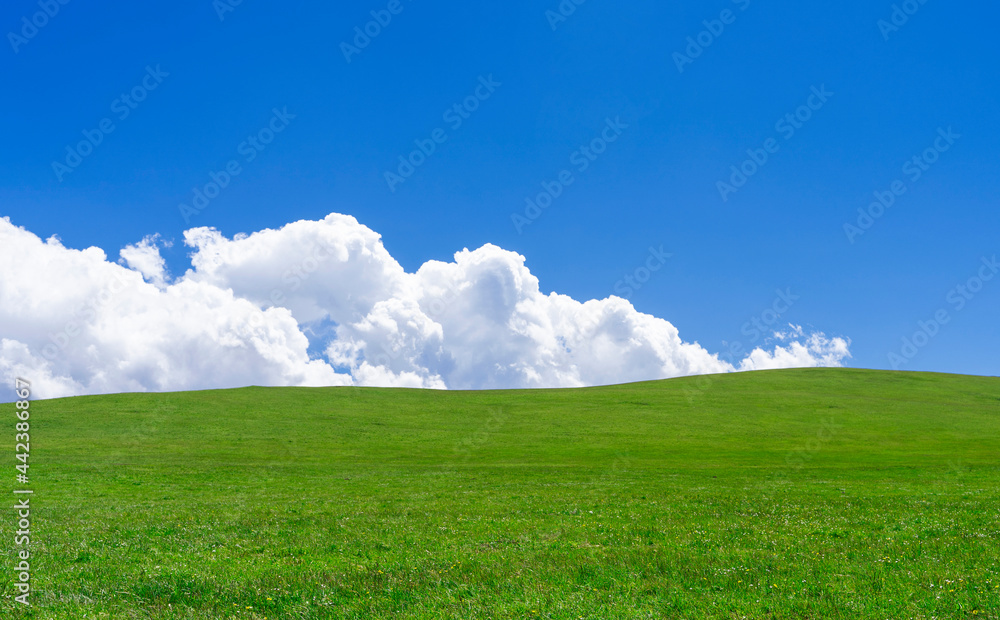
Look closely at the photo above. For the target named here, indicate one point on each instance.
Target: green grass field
(813, 493)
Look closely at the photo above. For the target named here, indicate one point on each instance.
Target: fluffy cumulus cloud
(323, 303)
(73, 322)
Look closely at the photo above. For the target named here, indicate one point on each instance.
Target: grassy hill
(813, 493)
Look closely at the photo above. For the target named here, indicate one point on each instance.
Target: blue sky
(555, 86)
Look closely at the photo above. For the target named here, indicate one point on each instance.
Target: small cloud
(145, 258)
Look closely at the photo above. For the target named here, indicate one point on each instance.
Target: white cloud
(81, 324)
(145, 258)
(77, 323)
(816, 350)
(330, 269)
(17, 361)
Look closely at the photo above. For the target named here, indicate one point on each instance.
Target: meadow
(808, 493)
